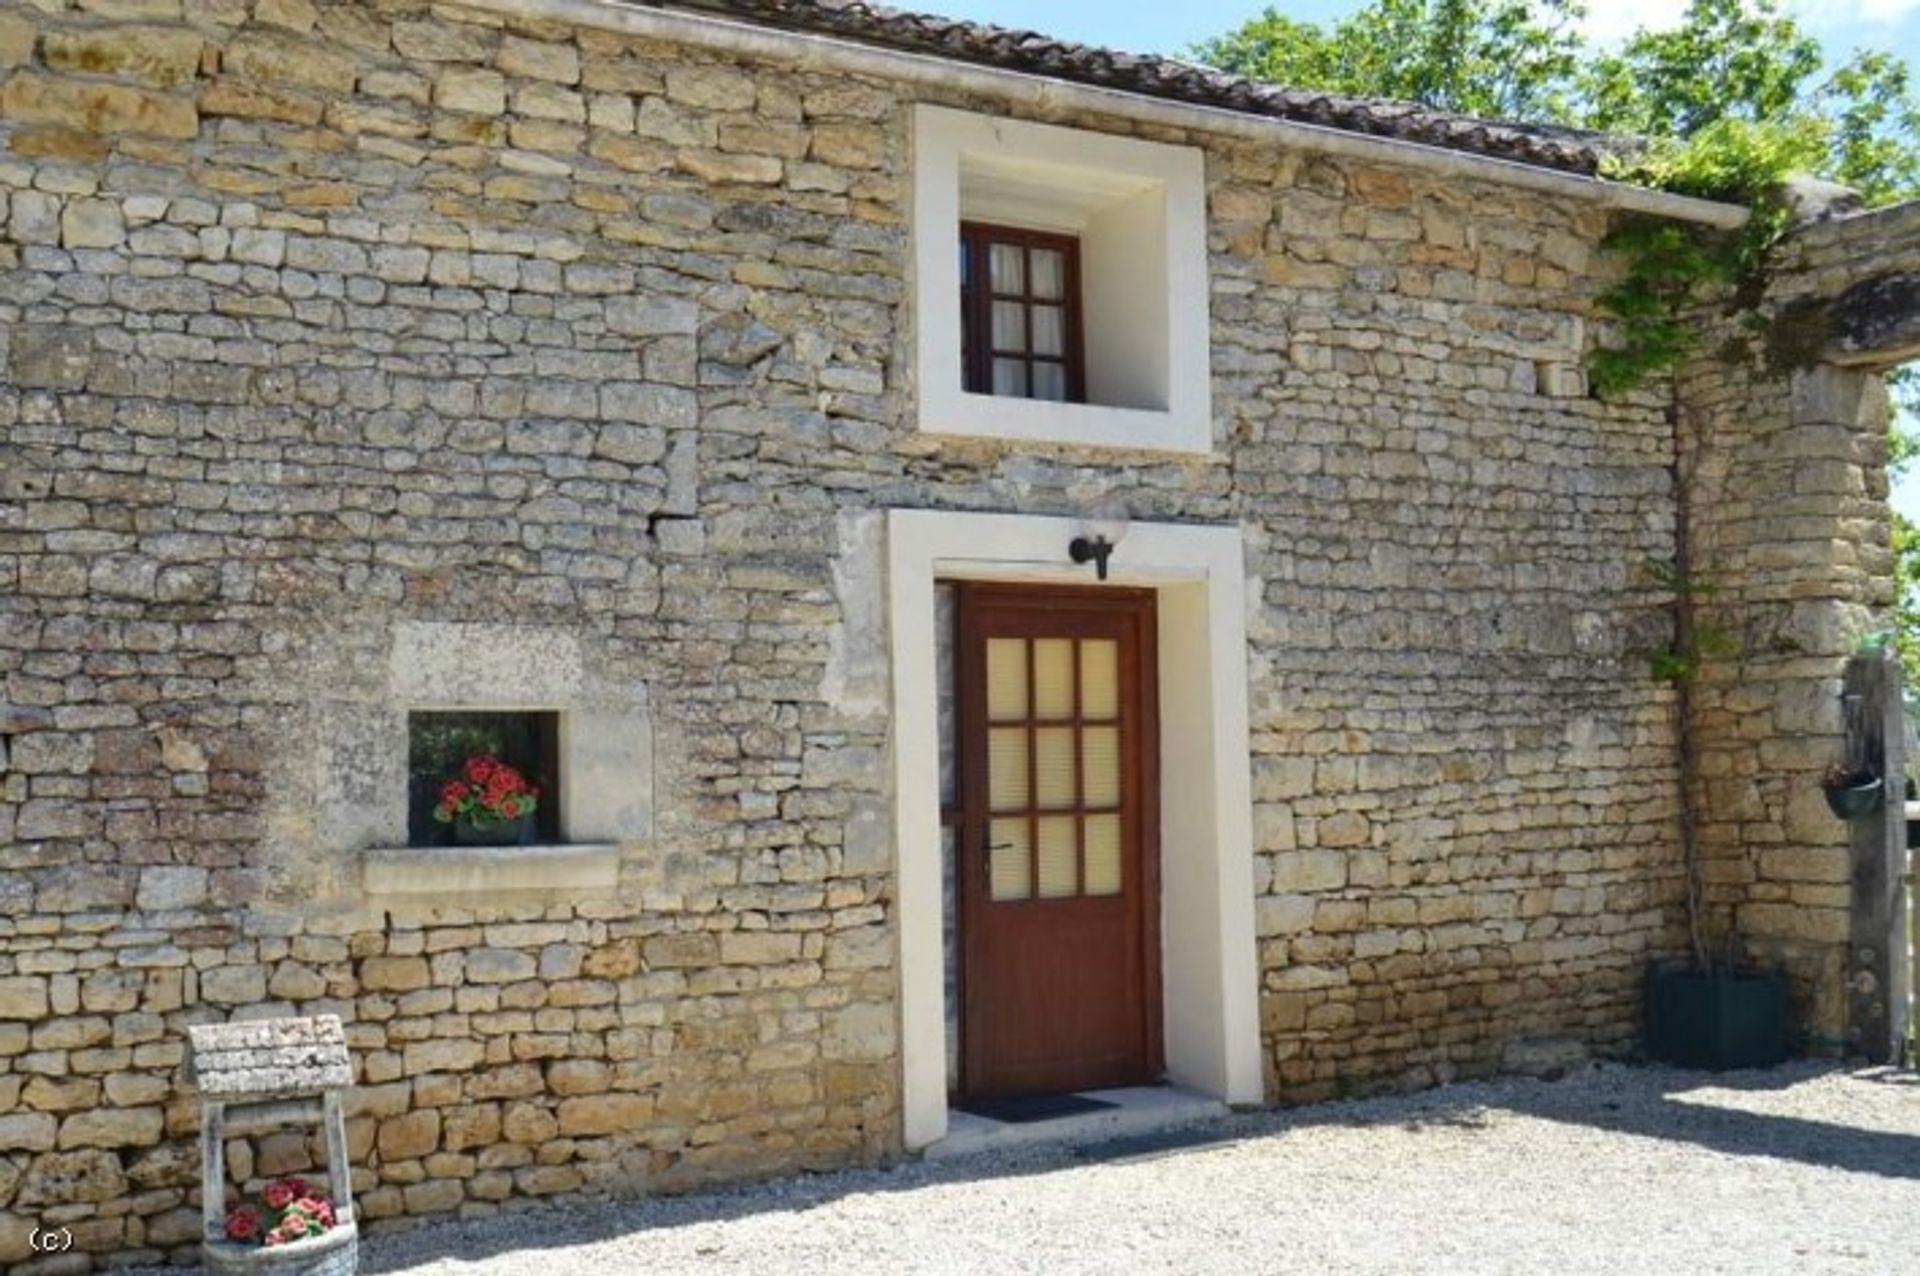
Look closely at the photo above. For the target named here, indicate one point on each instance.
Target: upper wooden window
(1020, 313)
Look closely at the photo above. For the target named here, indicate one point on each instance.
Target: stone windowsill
(454, 870)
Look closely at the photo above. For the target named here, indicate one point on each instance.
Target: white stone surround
(1207, 925)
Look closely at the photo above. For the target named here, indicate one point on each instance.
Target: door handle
(986, 862)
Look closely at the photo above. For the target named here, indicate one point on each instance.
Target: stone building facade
(372, 356)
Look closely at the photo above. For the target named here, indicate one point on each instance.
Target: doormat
(1034, 1107)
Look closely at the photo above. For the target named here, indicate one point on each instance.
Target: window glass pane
(1058, 863)
(1006, 265)
(1050, 381)
(1010, 860)
(1010, 378)
(1007, 768)
(1009, 326)
(1049, 331)
(1049, 272)
(1053, 766)
(1103, 855)
(1100, 678)
(1006, 679)
(1100, 760)
(1053, 678)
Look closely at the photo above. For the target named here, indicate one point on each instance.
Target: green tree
(1507, 59)
(1738, 76)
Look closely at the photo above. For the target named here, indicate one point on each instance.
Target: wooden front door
(1058, 864)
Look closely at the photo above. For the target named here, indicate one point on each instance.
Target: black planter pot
(499, 833)
(1858, 801)
(1716, 1021)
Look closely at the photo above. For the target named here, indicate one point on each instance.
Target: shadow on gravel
(1738, 1133)
(1650, 1105)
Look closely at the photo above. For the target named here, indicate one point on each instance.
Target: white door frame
(1209, 969)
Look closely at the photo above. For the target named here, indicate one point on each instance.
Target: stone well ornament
(259, 1076)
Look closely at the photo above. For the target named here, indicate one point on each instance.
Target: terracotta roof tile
(1564, 149)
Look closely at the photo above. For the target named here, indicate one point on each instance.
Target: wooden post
(1878, 968)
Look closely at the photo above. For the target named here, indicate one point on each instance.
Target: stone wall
(317, 318)
(1791, 529)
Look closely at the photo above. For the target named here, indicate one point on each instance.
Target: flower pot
(334, 1253)
(499, 833)
(1716, 1020)
(1857, 801)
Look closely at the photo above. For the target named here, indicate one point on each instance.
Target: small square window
(441, 748)
(1020, 313)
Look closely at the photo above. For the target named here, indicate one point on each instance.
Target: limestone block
(474, 89)
(394, 974)
(603, 1114)
(434, 40)
(529, 1123)
(280, 59)
(23, 997)
(112, 1128)
(234, 985)
(27, 1132)
(86, 1176)
(674, 951)
(539, 59)
(442, 1055)
(17, 36)
(499, 966)
(1304, 871)
(409, 1137)
(97, 107)
(578, 1076)
(169, 887)
(165, 57)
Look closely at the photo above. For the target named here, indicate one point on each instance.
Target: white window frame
(957, 155)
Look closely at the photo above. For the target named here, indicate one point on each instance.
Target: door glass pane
(1100, 758)
(1053, 767)
(1053, 678)
(1100, 678)
(1009, 860)
(1049, 272)
(1010, 378)
(1050, 382)
(1007, 788)
(1009, 326)
(1049, 331)
(1103, 855)
(1006, 263)
(1006, 679)
(1058, 863)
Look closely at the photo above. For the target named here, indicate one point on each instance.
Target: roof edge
(811, 50)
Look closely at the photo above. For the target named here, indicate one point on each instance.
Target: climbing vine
(1671, 268)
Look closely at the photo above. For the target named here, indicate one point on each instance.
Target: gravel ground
(1617, 1170)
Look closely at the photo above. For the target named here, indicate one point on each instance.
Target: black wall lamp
(1091, 549)
(1102, 530)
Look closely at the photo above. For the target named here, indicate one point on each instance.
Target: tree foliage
(1507, 59)
(1735, 94)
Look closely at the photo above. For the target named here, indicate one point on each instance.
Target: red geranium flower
(480, 768)
(243, 1223)
(278, 1194)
